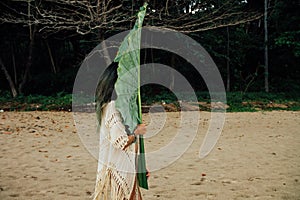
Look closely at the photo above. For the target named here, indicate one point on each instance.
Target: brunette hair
(105, 88)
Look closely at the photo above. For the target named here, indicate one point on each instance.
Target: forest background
(255, 44)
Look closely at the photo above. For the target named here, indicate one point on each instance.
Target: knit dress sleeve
(117, 132)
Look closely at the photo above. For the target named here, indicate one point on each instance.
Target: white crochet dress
(116, 167)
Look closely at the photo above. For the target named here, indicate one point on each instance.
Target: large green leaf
(128, 100)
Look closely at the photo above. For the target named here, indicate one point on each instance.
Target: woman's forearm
(131, 139)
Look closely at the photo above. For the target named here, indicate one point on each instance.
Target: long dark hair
(105, 88)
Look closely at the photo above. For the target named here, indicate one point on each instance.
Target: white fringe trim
(111, 187)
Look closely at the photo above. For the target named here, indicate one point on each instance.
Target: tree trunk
(228, 62)
(29, 15)
(266, 47)
(102, 34)
(31, 43)
(51, 57)
(9, 79)
(29, 61)
(14, 64)
(172, 76)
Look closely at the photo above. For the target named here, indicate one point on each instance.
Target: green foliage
(128, 87)
(128, 59)
(257, 101)
(237, 101)
(290, 40)
(59, 102)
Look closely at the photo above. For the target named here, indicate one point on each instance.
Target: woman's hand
(140, 129)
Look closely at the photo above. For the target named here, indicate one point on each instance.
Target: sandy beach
(256, 157)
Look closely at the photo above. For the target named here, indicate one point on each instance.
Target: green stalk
(142, 171)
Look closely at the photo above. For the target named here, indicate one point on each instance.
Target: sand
(256, 157)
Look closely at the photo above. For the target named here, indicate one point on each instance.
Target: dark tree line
(43, 42)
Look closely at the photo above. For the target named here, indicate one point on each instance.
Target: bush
(237, 101)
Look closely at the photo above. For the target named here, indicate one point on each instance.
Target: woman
(116, 174)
